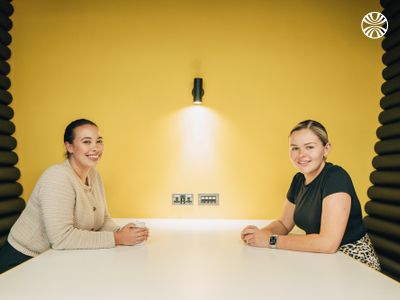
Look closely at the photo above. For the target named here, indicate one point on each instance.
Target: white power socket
(182, 199)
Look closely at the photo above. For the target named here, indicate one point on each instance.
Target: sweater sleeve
(109, 224)
(57, 197)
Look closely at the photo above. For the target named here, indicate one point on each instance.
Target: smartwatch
(273, 240)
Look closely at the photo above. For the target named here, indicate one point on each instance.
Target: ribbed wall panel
(6, 112)
(388, 131)
(8, 174)
(388, 87)
(10, 190)
(8, 158)
(5, 97)
(391, 71)
(392, 40)
(6, 222)
(386, 178)
(383, 209)
(390, 267)
(386, 162)
(6, 127)
(390, 115)
(388, 147)
(6, 7)
(392, 9)
(387, 247)
(5, 52)
(390, 100)
(388, 58)
(5, 67)
(5, 22)
(388, 194)
(11, 205)
(7, 142)
(383, 227)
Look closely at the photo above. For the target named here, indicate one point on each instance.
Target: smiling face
(86, 148)
(308, 153)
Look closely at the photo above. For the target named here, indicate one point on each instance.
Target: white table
(194, 259)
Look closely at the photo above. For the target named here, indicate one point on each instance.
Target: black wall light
(198, 91)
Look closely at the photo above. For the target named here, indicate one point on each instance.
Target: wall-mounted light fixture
(197, 91)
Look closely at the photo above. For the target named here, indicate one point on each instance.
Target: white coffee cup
(140, 224)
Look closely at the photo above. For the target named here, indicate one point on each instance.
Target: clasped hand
(130, 235)
(253, 236)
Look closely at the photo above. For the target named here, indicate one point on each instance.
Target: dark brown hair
(69, 133)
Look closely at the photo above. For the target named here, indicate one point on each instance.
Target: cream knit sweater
(63, 213)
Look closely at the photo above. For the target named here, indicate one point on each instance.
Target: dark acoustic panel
(6, 7)
(390, 115)
(391, 178)
(5, 22)
(386, 162)
(383, 210)
(5, 52)
(5, 37)
(384, 246)
(391, 40)
(6, 222)
(388, 146)
(394, 25)
(5, 82)
(388, 194)
(3, 238)
(11, 206)
(9, 174)
(383, 220)
(385, 228)
(5, 97)
(391, 56)
(390, 100)
(391, 71)
(6, 127)
(390, 267)
(7, 142)
(8, 158)
(6, 112)
(391, 86)
(10, 190)
(4, 67)
(388, 131)
(385, 3)
(391, 9)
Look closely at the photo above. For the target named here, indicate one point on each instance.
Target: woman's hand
(131, 235)
(253, 236)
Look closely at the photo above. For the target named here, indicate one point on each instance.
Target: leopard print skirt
(363, 251)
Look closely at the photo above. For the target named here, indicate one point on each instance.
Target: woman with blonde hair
(321, 200)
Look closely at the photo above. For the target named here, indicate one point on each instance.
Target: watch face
(272, 240)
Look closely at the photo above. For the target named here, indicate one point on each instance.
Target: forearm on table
(276, 227)
(308, 243)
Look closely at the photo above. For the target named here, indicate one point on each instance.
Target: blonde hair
(317, 128)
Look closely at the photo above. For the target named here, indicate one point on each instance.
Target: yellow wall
(129, 66)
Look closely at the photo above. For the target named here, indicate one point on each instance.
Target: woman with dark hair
(67, 208)
(321, 200)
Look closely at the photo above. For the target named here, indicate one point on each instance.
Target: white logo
(374, 25)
